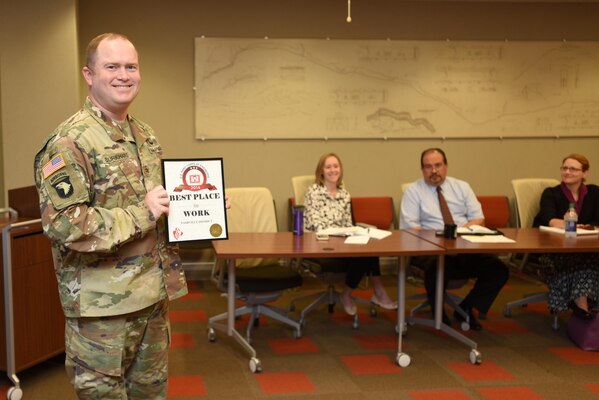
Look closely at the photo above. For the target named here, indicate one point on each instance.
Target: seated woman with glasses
(327, 205)
(573, 278)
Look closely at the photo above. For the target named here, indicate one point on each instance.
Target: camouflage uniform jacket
(110, 255)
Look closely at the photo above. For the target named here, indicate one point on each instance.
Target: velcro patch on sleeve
(56, 163)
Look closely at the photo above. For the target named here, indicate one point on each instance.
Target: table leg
(402, 359)
(229, 328)
(437, 323)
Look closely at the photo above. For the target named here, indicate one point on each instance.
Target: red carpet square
(188, 316)
(574, 355)
(186, 386)
(504, 326)
(193, 296)
(285, 382)
(593, 387)
(539, 307)
(289, 346)
(512, 393)
(377, 341)
(192, 286)
(452, 394)
(371, 364)
(182, 341)
(487, 371)
(243, 320)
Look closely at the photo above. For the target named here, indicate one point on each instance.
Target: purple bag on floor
(585, 333)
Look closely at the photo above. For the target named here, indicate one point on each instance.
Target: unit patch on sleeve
(56, 163)
(62, 185)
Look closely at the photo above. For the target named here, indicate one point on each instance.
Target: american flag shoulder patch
(56, 163)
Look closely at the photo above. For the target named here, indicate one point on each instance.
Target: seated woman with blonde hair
(573, 278)
(327, 205)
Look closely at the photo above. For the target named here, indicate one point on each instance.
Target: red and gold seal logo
(194, 179)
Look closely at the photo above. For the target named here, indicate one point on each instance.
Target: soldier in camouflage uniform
(103, 207)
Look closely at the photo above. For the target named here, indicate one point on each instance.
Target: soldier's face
(114, 79)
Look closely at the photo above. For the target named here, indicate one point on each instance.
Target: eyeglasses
(430, 167)
(570, 169)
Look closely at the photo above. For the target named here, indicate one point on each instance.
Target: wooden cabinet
(38, 318)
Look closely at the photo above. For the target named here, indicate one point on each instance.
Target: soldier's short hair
(92, 47)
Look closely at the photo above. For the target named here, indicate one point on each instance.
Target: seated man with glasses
(436, 200)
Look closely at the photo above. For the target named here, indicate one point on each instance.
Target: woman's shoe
(388, 305)
(348, 305)
(579, 312)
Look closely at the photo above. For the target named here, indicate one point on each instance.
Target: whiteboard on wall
(312, 88)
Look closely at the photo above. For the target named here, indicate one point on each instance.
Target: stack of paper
(356, 234)
(488, 239)
(579, 231)
(476, 230)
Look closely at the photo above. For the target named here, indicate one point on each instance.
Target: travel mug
(298, 220)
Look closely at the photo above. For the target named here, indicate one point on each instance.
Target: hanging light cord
(348, 11)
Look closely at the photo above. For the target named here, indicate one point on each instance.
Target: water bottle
(571, 219)
(298, 220)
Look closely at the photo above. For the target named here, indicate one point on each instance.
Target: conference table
(399, 244)
(526, 240)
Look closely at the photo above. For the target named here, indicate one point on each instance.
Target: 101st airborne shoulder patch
(60, 185)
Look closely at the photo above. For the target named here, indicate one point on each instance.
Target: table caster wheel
(403, 360)
(255, 365)
(14, 393)
(297, 334)
(465, 326)
(211, 335)
(355, 324)
(475, 357)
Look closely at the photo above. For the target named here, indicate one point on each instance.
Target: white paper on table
(462, 230)
(488, 239)
(579, 231)
(357, 239)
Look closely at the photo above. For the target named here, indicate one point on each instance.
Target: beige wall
(39, 84)
(164, 35)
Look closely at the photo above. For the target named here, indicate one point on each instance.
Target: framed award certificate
(197, 199)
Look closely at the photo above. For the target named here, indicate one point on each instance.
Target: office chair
(329, 274)
(528, 193)
(259, 281)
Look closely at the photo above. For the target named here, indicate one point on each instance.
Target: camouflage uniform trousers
(120, 357)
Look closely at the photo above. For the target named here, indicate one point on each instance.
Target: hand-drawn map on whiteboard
(311, 88)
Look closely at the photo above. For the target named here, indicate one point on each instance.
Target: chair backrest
(25, 201)
(377, 211)
(528, 192)
(496, 210)
(252, 210)
(300, 185)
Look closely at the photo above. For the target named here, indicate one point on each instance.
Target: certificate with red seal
(197, 199)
